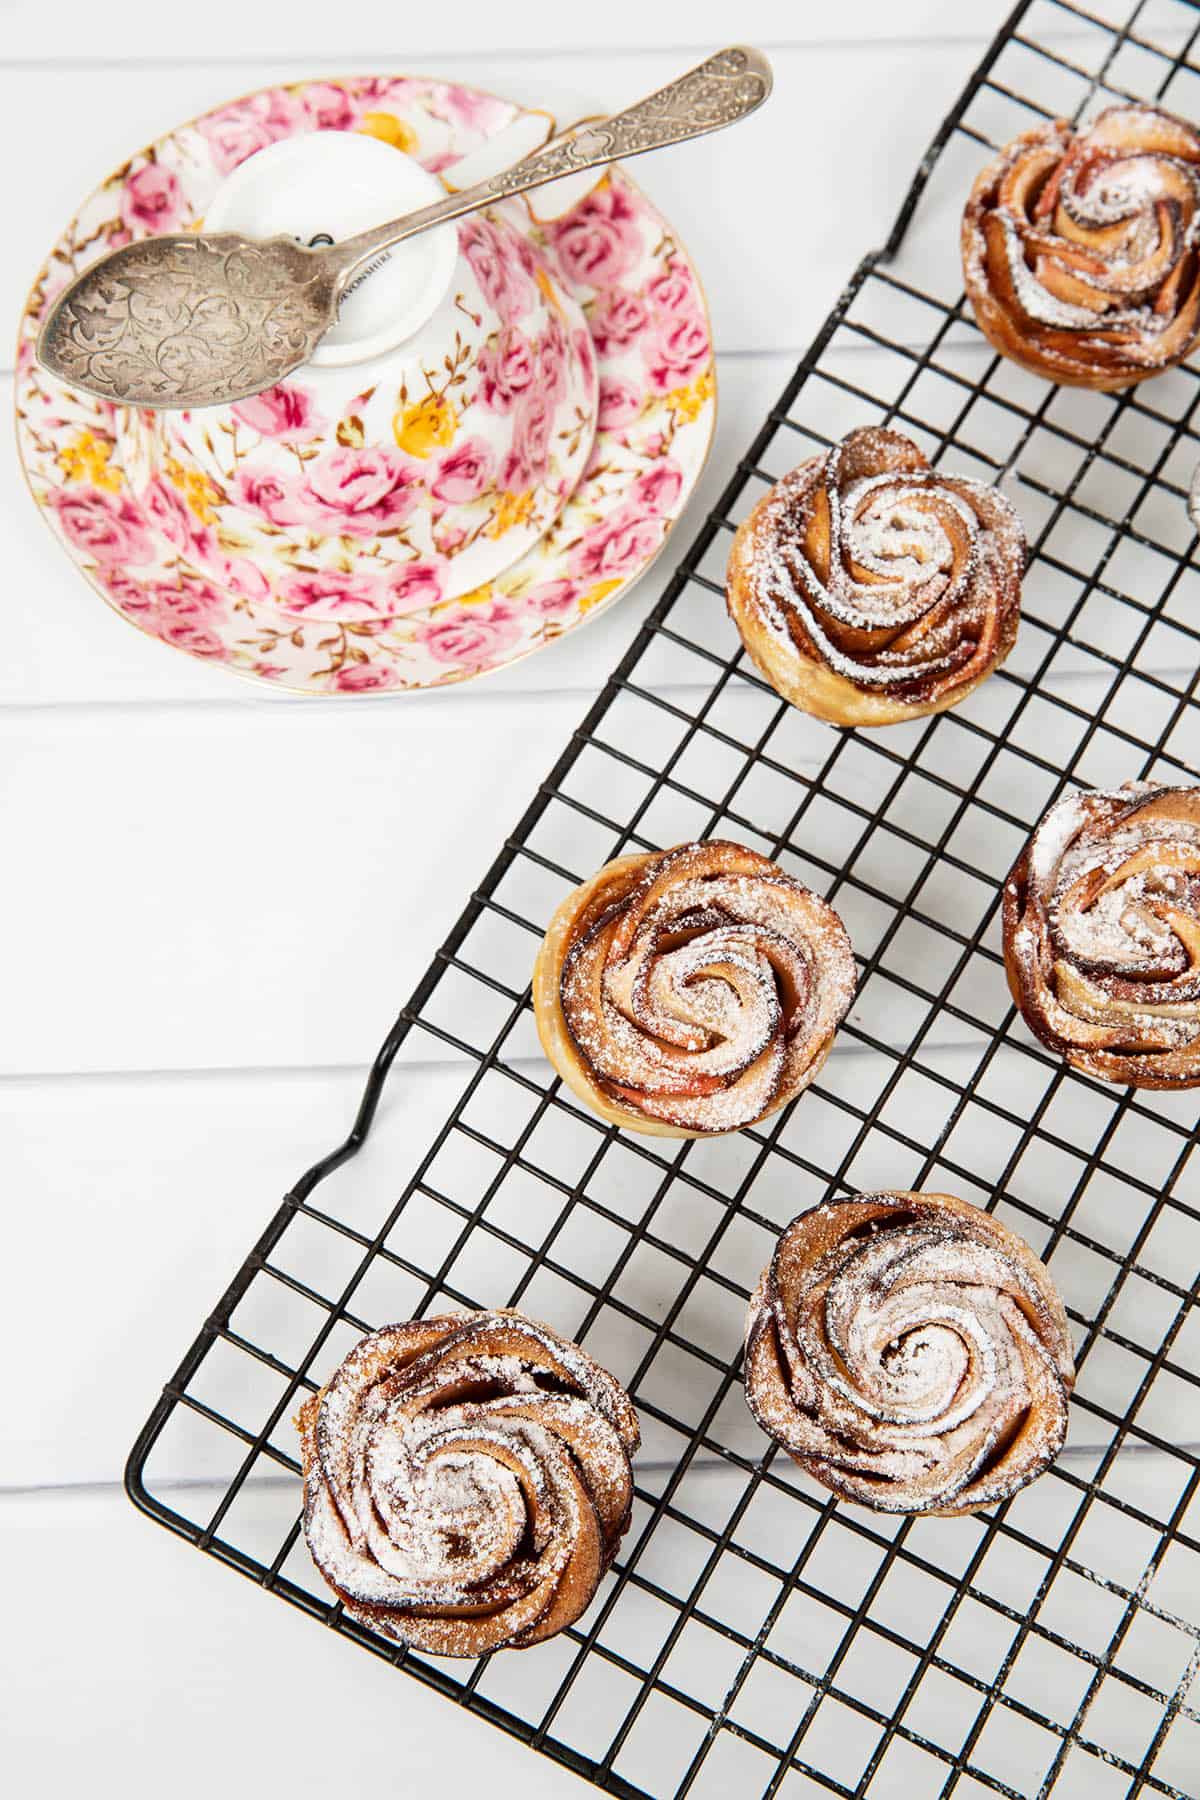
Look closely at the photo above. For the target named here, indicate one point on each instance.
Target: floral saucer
(154, 534)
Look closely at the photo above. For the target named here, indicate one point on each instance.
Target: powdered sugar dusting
(708, 989)
(446, 1468)
(926, 1357)
(909, 590)
(1102, 925)
(1037, 301)
(1078, 247)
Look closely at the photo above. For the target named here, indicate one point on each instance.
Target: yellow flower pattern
(511, 509)
(201, 493)
(689, 402)
(426, 426)
(546, 289)
(86, 459)
(390, 130)
(596, 595)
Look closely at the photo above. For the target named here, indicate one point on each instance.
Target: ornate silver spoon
(197, 318)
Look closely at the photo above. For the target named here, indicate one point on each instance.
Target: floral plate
(200, 588)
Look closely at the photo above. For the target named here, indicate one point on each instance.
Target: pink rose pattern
(553, 352)
(330, 594)
(620, 403)
(665, 323)
(187, 612)
(585, 350)
(244, 579)
(658, 339)
(166, 570)
(336, 595)
(600, 241)
(676, 351)
(236, 132)
(618, 546)
(328, 106)
(107, 528)
(498, 265)
(151, 201)
(619, 318)
(529, 459)
(363, 678)
(265, 491)
(412, 587)
(358, 492)
(167, 510)
(464, 473)
(288, 413)
(658, 490)
(553, 599)
(479, 113)
(673, 291)
(506, 369)
(473, 637)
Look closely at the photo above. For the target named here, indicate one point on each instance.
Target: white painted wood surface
(215, 899)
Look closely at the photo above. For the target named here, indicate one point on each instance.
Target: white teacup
(437, 432)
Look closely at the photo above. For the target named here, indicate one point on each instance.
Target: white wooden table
(215, 899)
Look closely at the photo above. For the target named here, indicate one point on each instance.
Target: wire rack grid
(754, 1637)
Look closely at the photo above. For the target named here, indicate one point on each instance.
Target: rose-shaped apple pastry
(692, 992)
(467, 1481)
(1079, 248)
(1102, 934)
(910, 1353)
(869, 587)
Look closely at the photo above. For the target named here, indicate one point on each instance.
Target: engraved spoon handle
(722, 90)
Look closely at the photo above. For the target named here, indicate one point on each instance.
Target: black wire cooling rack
(755, 1638)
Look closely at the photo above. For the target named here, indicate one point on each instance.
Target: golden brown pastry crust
(910, 1353)
(870, 588)
(467, 1481)
(1102, 934)
(692, 992)
(1079, 250)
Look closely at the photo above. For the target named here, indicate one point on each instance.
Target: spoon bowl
(188, 319)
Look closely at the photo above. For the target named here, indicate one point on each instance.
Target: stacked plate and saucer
(488, 448)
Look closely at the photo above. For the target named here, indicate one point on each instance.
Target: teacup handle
(727, 87)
